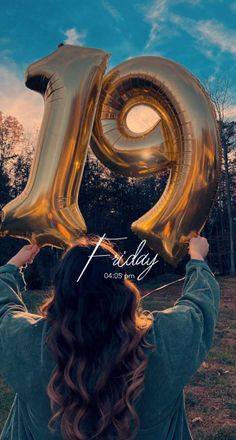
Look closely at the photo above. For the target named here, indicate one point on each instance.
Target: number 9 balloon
(185, 140)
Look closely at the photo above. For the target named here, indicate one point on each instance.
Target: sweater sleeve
(12, 283)
(17, 330)
(184, 332)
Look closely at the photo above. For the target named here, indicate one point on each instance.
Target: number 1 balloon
(69, 80)
(185, 140)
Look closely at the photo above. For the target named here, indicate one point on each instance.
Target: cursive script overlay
(136, 259)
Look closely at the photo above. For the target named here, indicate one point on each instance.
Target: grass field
(210, 397)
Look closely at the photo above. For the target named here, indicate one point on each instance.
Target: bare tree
(220, 91)
(11, 135)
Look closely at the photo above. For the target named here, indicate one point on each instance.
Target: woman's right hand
(198, 248)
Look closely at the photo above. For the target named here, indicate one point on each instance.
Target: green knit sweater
(183, 335)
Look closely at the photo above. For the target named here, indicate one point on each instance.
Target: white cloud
(16, 100)
(191, 2)
(112, 10)
(210, 31)
(156, 15)
(217, 34)
(233, 7)
(74, 37)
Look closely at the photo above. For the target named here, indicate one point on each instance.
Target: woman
(86, 366)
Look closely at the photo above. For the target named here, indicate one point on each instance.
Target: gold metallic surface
(185, 141)
(69, 80)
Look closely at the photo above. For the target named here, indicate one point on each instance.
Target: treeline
(110, 203)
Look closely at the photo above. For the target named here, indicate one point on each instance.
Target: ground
(210, 397)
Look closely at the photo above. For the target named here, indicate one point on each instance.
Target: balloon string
(162, 287)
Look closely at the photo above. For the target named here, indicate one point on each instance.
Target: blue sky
(199, 34)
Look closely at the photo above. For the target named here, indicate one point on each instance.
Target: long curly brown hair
(98, 345)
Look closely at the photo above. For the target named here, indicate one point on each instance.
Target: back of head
(97, 346)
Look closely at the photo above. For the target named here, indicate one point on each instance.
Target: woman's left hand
(25, 255)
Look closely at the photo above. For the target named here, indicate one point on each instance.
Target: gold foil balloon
(69, 80)
(185, 140)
